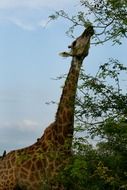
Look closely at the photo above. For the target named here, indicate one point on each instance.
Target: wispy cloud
(30, 14)
(25, 25)
(28, 24)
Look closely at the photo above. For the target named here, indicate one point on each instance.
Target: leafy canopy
(108, 17)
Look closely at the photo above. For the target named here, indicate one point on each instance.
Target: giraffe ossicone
(36, 167)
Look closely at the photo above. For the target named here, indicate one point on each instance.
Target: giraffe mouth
(89, 31)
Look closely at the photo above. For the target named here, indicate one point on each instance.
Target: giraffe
(35, 167)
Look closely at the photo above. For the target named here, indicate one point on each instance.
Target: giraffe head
(80, 47)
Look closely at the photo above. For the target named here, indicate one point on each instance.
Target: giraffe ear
(65, 54)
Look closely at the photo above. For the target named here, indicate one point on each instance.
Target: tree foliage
(101, 97)
(108, 17)
(102, 112)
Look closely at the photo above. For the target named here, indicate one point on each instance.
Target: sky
(29, 63)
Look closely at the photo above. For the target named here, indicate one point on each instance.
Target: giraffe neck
(65, 111)
(61, 131)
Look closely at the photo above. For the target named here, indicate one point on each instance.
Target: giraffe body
(36, 167)
(21, 169)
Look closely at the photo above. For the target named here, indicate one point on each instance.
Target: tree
(102, 112)
(101, 105)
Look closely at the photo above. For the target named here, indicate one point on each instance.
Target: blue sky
(29, 60)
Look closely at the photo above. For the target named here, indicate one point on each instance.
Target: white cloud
(31, 14)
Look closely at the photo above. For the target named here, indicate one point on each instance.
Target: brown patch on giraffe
(30, 151)
(32, 177)
(45, 147)
(33, 167)
(60, 139)
(11, 178)
(13, 159)
(67, 116)
(60, 120)
(39, 164)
